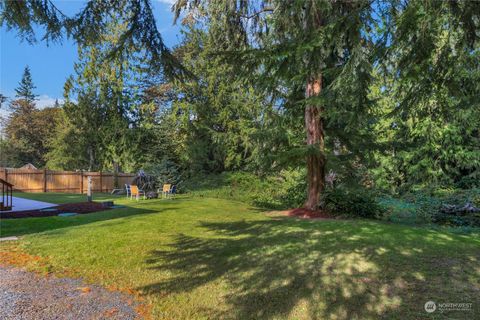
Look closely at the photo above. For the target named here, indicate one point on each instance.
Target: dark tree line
(383, 93)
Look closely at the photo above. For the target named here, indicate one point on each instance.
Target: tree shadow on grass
(287, 268)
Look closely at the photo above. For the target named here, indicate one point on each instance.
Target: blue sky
(51, 65)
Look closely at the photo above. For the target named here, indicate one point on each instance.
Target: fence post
(101, 184)
(89, 189)
(6, 174)
(45, 179)
(81, 181)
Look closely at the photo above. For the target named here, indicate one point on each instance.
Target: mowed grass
(201, 258)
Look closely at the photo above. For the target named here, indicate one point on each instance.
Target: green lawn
(202, 258)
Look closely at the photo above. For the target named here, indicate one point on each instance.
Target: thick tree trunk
(315, 138)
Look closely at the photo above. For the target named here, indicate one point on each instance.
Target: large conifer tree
(28, 129)
(319, 52)
(26, 87)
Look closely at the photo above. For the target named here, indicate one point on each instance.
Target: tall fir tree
(427, 87)
(25, 90)
(314, 55)
(28, 129)
(217, 112)
(103, 119)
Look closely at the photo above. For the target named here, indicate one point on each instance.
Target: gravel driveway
(25, 295)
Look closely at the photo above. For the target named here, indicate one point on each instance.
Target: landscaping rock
(107, 204)
(151, 195)
(458, 215)
(67, 214)
(459, 209)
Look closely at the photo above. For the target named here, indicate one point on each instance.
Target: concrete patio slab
(21, 204)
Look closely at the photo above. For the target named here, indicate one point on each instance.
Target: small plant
(351, 202)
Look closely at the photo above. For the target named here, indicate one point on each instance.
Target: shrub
(468, 182)
(294, 188)
(425, 206)
(352, 202)
(467, 220)
(286, 190)
(164, 172)
(458, 210)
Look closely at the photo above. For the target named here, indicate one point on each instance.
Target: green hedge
(287, 190)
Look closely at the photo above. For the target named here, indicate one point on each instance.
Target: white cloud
(41, 102)
(44, 101)
(171, 2)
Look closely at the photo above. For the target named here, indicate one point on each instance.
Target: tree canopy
(380, 94)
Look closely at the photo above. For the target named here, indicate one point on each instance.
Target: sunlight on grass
(212, 258)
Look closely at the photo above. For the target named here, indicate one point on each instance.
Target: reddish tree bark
(315, 138)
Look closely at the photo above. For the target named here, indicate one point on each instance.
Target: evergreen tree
(319, 52)
(427, 89)
(28, 129)
(19, 131)
(277, 83)
(217, 112)
(26, 87)
(102, 124)
(3, 99)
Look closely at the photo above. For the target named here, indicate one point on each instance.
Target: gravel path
(25, 295)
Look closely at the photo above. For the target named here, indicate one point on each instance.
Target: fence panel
(125, 178)
(62, 181)
(25, 180)
(95, 181)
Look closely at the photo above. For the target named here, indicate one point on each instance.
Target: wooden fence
(28, 180)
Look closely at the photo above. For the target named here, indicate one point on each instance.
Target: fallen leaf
(84, 289)
(111, 312)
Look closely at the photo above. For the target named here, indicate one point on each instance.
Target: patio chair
(136, 192)
(127, 189)
(169, 190)
(173, 191)
(166, 190)
(116, 190)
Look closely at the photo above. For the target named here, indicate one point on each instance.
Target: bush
(165, 172)
(352, 202)
(455, 220)
(425, 206)
(430, 206)
(287, 190)
(468, 182)
(293, 191)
